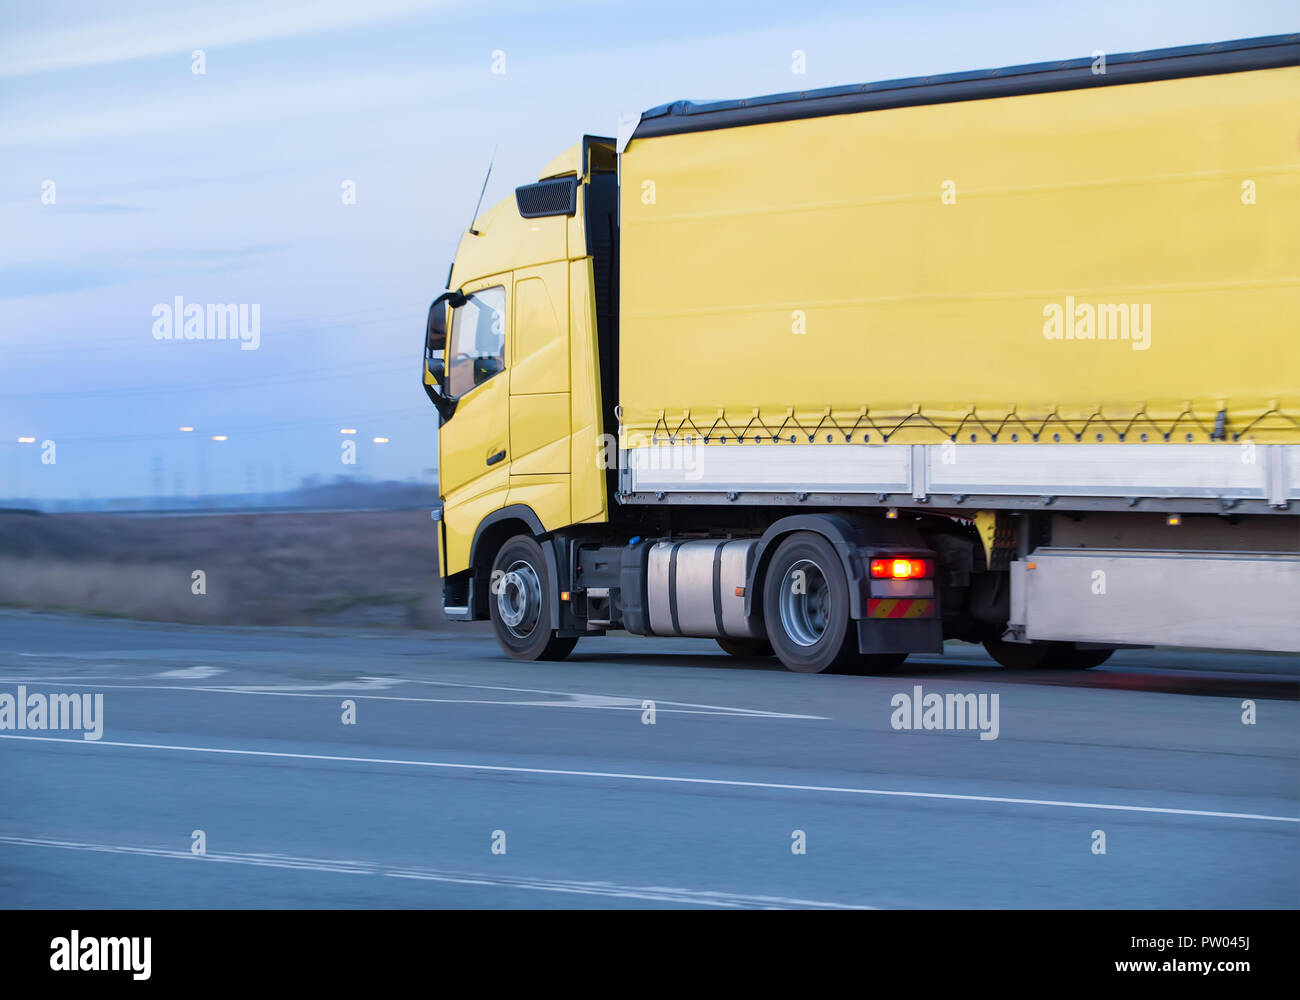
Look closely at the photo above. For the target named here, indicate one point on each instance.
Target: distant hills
(312, 493)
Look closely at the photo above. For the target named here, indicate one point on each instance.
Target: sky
(128, 179)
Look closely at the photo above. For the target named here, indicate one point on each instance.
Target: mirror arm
(445, 405)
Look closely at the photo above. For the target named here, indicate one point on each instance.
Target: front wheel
(521, 597)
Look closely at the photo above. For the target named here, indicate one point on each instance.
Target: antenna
(472, 230)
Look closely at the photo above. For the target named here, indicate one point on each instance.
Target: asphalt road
(239, 733)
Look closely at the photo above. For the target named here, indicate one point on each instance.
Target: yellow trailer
(1117, 259)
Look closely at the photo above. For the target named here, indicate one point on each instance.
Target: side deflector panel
(1230, 600)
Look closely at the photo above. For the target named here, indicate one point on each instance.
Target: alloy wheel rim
(805, 603)
(519, 599)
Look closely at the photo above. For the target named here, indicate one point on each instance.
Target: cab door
(474, 445)
(540, 424)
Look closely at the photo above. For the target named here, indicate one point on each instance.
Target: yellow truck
(1009, 356)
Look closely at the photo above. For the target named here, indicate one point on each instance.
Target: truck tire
(746, 647)
(520, 598)
(1079, 659)
(1045, 655)
(872, 664)
(806, 606)
(1019, 655)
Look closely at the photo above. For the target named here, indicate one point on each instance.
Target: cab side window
(478, 341)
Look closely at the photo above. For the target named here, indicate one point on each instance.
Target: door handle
(493, 459)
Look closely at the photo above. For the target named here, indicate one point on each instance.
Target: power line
(294, 328)
(247, 381)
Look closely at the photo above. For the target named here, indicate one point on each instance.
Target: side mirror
(434, 376)
(435, 342)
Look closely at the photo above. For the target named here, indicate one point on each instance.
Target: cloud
(102, 208)
(100, 270)
(204, 112)
(169, 29)
(54, 277)
(228, 254)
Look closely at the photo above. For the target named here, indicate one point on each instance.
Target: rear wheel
(876, 663)
(746, 647)
(806, 606)
(1080, 659)
(1019, 655)
(1045, 655)
(521, 597)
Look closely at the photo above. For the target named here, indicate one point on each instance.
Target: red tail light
(899, 569)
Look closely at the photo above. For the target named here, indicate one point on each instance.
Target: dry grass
(261, 569)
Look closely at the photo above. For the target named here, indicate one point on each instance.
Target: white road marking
(355, 684)
(661, 894)
(42, 678)
(163, 653)
(193, 673)
(721, 709)
(665, 778)
(613, 703)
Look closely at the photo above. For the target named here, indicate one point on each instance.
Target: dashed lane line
(658, 894)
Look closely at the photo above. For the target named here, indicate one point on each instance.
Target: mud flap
(900, 635)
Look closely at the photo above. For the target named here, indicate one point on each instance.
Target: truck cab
(514, 357)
